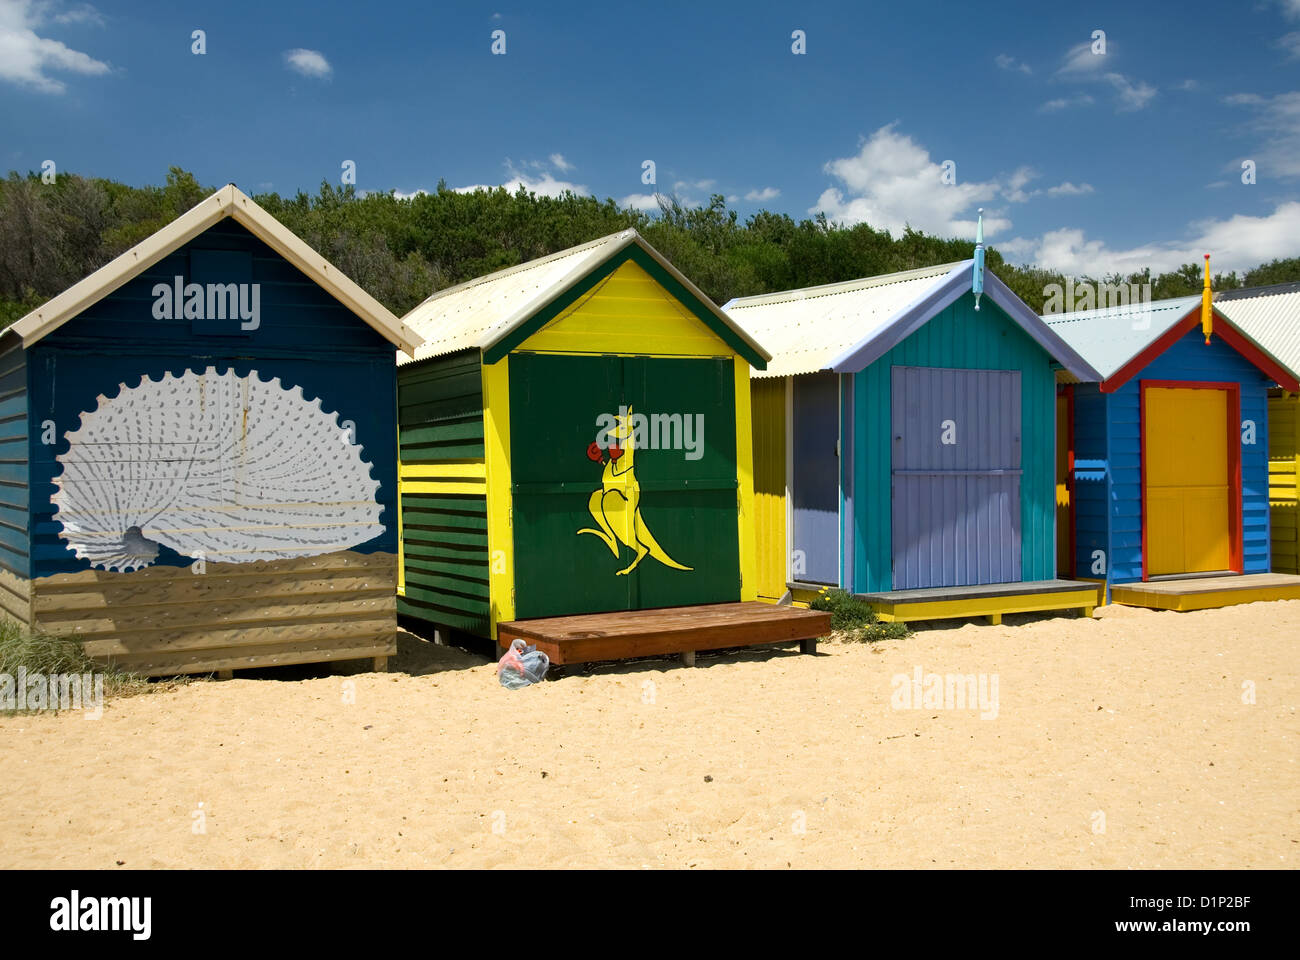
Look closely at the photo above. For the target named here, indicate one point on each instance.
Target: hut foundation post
(688, 658)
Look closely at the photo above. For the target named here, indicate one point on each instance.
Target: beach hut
(1271, 317)
(904, 441)
(575, 443)
(199, 468)
(1170, 496)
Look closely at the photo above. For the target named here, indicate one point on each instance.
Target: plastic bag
(521, 666)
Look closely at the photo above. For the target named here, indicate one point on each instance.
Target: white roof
(1268, 315)
(480, 312)
(807, 329)
(229, 201)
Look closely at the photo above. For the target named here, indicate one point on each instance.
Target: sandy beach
(1123, 741)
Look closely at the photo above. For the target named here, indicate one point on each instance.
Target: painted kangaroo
(616, 506)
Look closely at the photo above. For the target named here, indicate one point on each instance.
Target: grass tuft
(48, 655)
(854, 620)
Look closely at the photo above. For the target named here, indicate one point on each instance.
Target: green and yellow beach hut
(574, 439)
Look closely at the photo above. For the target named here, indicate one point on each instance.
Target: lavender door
(815, 539)
(956, 476)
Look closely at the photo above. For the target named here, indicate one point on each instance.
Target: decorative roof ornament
(1207, 311)
(977, 282)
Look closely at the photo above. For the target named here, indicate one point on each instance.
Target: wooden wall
(443, 483)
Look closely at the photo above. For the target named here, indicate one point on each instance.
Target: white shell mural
(227, 468)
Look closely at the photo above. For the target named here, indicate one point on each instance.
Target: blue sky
(1084, 161)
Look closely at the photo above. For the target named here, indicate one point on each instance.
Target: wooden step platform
(990, 600)
(669, 630)
(1206, 593)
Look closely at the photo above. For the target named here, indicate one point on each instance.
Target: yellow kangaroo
(616, 506)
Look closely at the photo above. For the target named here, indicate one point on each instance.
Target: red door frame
(1234, 461)
(1067, 391)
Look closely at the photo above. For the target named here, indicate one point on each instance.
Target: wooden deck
(1204, 593)
(990, 600)
(670, 630)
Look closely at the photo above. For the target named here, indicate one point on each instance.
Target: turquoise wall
(963, 338)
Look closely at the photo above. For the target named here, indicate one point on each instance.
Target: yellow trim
(630, 314)
(469, 469)
(496, 447)
(767, 413)
(992, 607)
(745, 484)
(445, 486)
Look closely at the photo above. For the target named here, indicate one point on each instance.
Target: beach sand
(1121, 741)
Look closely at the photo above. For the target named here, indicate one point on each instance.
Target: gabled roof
(489, 313)
(1121, 340)
(844, 327)
(1268, 315)
(1109, 337)
(229, 201)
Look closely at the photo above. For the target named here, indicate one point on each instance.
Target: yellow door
(1062, 486)
(1188, 490)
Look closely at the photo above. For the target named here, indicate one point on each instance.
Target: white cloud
(82, 13)
(1238, 243)
(1291, 44)
(310, 63)
(1276, 121)
(1014, 189)
(558, 161)
(543, 183)
(1068, 189)
(1081, 64)
(1291, 8)
(1133, 95)
(892, 182)
(1062, 103)
(1007, 62)
(1081, 59)
(645, 202)
(762, 196)
(25, 57)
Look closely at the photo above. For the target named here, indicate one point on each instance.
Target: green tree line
(401, 249)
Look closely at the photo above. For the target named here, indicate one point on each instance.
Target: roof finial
(1207, 311)
(977, 282)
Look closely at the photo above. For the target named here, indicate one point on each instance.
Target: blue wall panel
(15, 539)
(1118, 417)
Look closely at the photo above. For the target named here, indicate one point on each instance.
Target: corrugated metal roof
(1110, 337)
(807, 329)
(474, 313)
(480, 312)
(1268, 315)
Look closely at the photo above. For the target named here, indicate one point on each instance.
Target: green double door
(667, 492)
